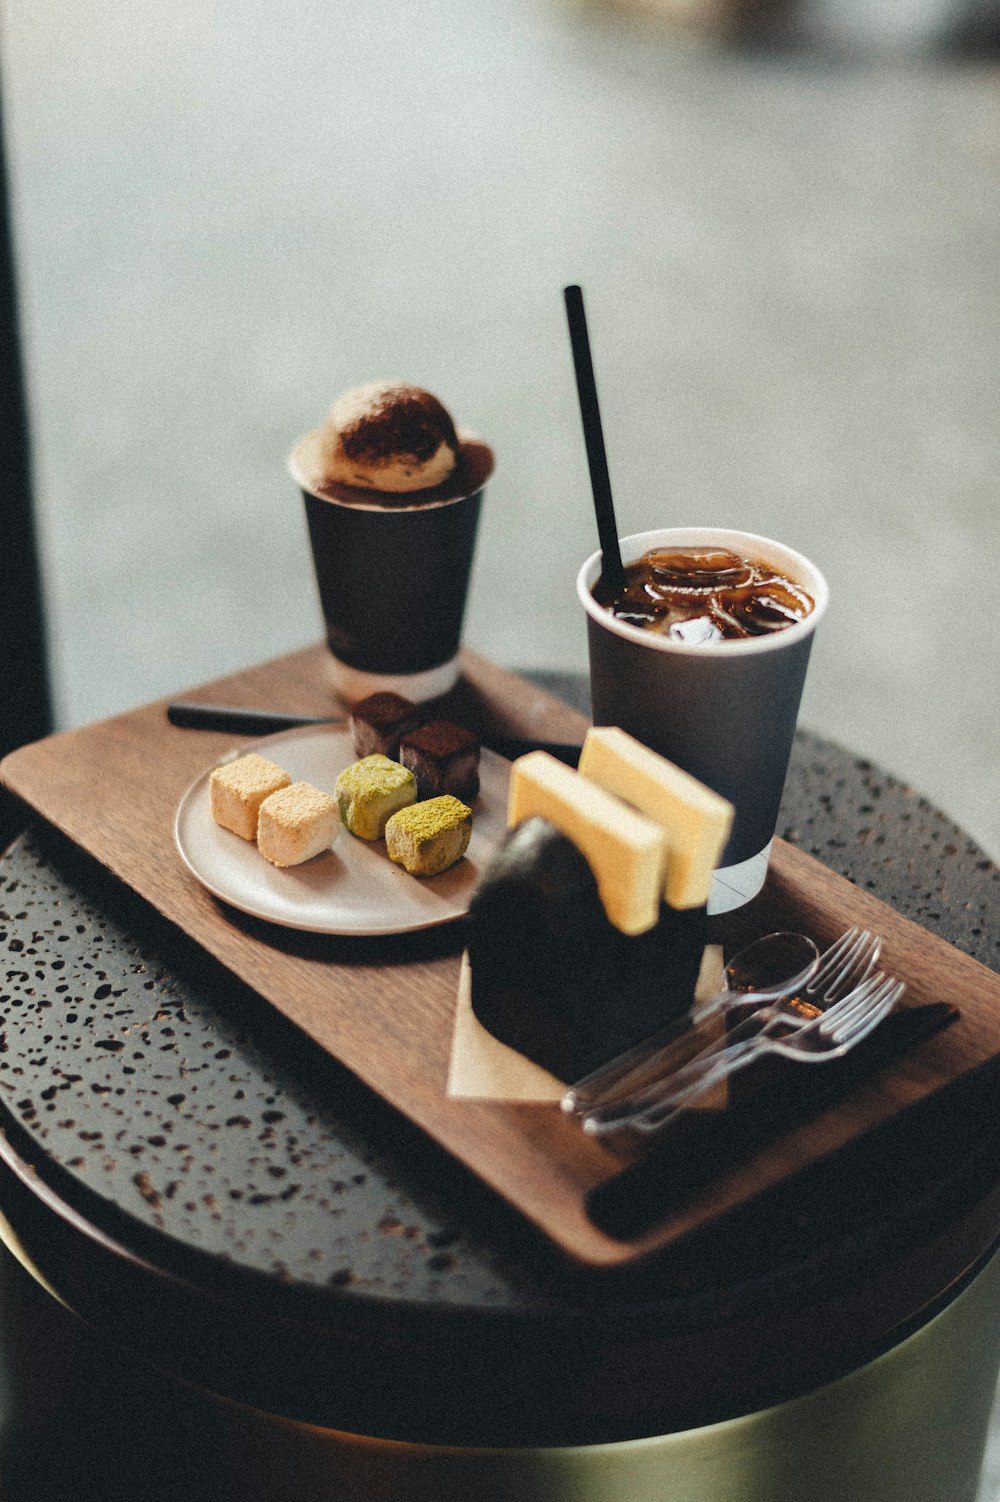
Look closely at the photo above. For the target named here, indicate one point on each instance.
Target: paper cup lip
(353, 684)
(800, 568)
(477, 464)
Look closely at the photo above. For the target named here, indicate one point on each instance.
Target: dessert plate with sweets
(267, 831)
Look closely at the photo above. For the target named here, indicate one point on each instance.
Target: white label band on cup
(354, 684)
(733, 886)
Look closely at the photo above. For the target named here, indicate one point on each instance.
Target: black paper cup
(393, 579)
(723, 711)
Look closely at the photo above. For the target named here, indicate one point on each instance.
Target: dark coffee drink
(695, 595)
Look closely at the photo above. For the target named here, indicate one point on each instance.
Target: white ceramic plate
(354, 888)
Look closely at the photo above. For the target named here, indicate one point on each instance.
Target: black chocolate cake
(552, 977)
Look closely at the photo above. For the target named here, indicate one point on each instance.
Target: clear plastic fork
(828, 1035)
(849, 960)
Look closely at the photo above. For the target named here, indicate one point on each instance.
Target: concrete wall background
(228, 213)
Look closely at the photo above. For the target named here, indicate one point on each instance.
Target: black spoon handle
(195, 716)
(191, 716)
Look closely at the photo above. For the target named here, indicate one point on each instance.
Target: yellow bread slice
(696, 819)
(623, 848)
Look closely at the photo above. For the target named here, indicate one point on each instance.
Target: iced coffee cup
(714, 679)
(392, 492)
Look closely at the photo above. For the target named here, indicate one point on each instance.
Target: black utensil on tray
(703, 1146)
(191, 715)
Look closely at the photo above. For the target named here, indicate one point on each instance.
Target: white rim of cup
(799, 569)
(373, 505)
(332, 500)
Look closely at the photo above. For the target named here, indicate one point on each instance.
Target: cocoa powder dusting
(408, 421)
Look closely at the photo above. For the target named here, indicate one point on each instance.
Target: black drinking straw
(613, 574)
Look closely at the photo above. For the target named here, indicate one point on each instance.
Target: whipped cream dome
(383, 436)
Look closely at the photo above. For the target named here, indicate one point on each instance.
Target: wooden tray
(385, 1007)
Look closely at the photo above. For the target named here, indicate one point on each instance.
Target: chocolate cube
(444, 758)
(379, 722)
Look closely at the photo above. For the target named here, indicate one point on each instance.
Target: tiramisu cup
(392, 494)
